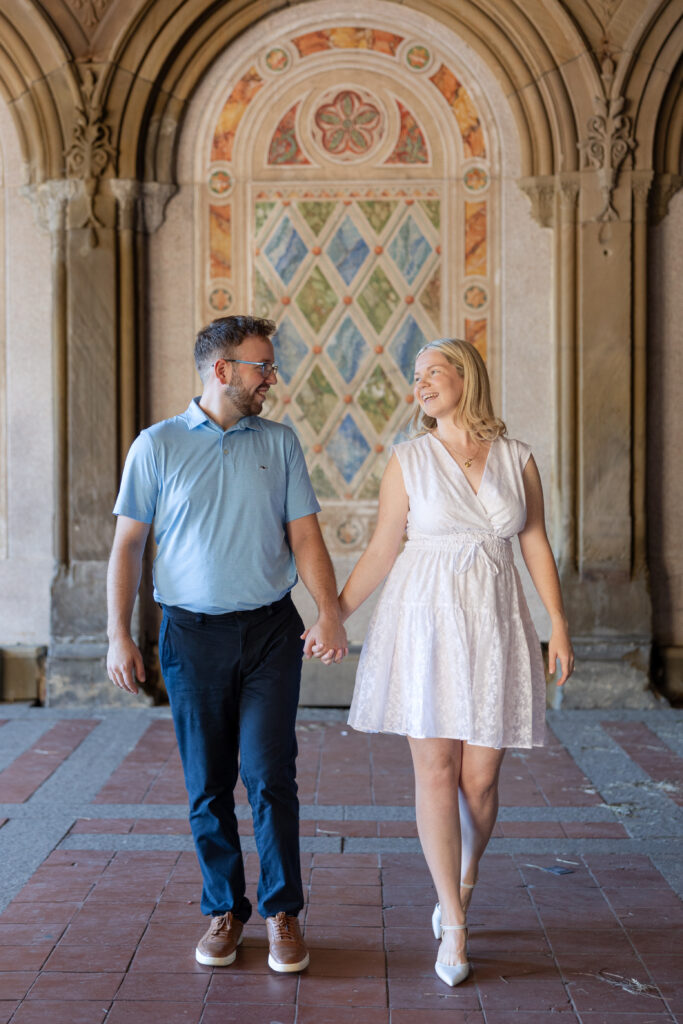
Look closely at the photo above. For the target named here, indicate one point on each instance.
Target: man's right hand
(124, 663)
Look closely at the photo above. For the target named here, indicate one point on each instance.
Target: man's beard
(245, 402)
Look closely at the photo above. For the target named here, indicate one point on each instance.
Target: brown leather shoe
(218, 946)
(287, 948)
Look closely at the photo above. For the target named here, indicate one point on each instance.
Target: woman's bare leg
(437, 764)
(478, 806)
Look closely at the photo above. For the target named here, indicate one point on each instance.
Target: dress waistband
(466, 546)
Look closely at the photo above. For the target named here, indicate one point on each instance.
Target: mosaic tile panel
(284, 148)
(348, 38)
(220, 240)
(460, 102)
(348, 449)
(378, 399)
(377, 212)
(347, 349)
(430, 298)
(316, 299)
(290, 349)
(316, 214)
(350, 269)
(409, 249)
(317, 399)
(286, 250)
(405, 346)
(379, 299)
(411, 147)
(232, 113)
(475, 238)
(347, 250)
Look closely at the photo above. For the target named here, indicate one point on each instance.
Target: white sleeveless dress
(451, 650)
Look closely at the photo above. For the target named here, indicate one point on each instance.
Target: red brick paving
(645, 748)
(110, 934)
(22, 778)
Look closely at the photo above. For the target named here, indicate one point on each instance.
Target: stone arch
(528, 55)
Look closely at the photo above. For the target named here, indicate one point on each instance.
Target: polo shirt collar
(195, 416)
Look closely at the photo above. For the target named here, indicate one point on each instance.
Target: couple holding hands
(451, 659)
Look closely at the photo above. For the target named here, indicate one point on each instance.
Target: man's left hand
(326, 639)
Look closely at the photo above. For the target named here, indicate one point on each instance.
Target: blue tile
(347, 250)
(290, 349)
(347, 349)
(405, 346)
(348, 449)
(285, 250)
(409, 249)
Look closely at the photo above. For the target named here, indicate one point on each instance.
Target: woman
(451, 658)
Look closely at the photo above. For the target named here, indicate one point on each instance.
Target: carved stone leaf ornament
(90, 151)
(88, 12)
(609, 142)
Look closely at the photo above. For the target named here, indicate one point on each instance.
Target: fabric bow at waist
(465, 546)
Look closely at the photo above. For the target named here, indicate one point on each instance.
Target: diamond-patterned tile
(377, 212)
(286, 250)
(409, 249)
(321, 484)
(432, 207)
(405, 345)
(262, 212)
(290, 349)
(264, 300)
(378, 399)
(348, 449)
(316, 399)
(347, 349)
(316, 299)
(316, 214)
(378, 299)
(347, 250)
(430, 298)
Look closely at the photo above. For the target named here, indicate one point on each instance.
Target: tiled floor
(101, 887)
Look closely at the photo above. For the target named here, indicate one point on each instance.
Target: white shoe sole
(275, 965)
(216, 961)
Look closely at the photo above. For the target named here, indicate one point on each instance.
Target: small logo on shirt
(263, 467)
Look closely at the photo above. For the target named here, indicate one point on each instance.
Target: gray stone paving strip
(309, 812)
(670, 732)
(17, 735)
(310, 844)
(92, 763)
(565, 848)
(24, 847)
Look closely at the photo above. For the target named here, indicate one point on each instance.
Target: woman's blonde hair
(475, 410)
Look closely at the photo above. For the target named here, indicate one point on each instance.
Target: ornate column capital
(141, 204)
(540, 190)
(50, 201)
(664, 188)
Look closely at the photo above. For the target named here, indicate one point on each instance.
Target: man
(234, 518)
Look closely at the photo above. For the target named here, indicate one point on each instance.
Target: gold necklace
(467, 459)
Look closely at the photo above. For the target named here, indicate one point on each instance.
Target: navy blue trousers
(233, 684)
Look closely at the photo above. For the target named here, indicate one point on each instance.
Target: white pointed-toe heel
(452, 974)
(436, 913)
(436, 921)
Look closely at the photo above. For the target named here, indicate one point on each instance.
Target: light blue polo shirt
(219, 501)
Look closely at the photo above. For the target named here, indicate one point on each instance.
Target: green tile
(264, 300)
(430, 298)
(316, 299)
(377, 212)
(378, 399)
(317, 399)
(261, 214)
(378, 300)
(321, 485)
(316, 214)
(370, 489)
(432, 207)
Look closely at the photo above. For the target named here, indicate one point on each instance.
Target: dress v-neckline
(461, 471)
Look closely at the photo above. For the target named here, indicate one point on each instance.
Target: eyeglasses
(267, 369)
